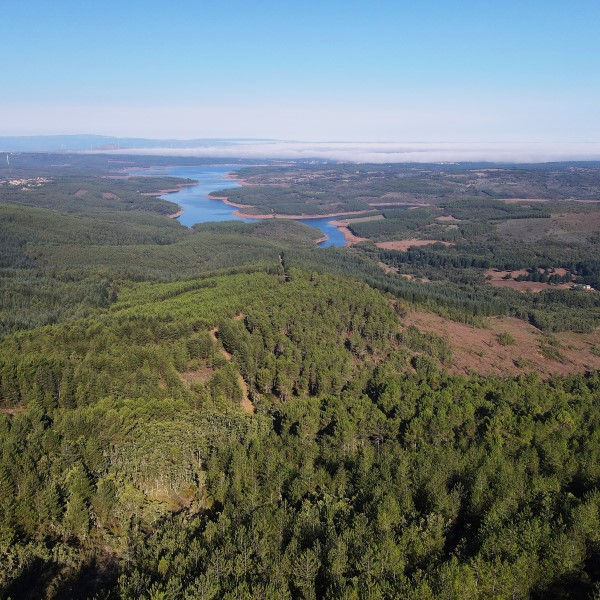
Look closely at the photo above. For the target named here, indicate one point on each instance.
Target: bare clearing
(387, 268)
(477, 350)
(570, 227)
(404, 245)
(363, 219)
(497, 280)
(247, 405)
(519, 200)
(200, 375)
(12, 410)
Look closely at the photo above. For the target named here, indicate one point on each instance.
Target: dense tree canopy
(229, 412)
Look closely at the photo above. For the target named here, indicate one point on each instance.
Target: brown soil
(109, 196)
(447, 218)
(527, 286)
(522, 286)
(245, 182)
(237, 213)
(172, 190)
(247, 405)
(406, 244)
(201, 375)
(478, 350)
(412, 277)
(228, 202)
(176, 215)
(389, 270)
(364, 219)
(517, 200)
(416, 205)
(80, 193)
(12, 410)
(349, 237)
(213, 336)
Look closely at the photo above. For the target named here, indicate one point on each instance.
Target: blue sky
(364, 71)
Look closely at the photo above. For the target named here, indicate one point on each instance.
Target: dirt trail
(12, 410)
(247, 405)
(213, 336)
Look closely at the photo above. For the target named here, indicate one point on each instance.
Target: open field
(498, 280)
(477, 350)
(568, 227)
(404, 245)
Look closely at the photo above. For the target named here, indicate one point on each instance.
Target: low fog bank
(386, 152)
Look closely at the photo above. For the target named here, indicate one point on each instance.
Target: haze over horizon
(434, 72)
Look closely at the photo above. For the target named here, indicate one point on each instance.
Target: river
(199, 208)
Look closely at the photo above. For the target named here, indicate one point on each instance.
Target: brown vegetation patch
(477, 350)
(497, 280)
(12, 410)
(389, 270)
(416, 278)
(412, 204)
(109, 196)
(362, 219)
(518, 200)
(202, 374)
(246, 403)
(447, 218)
(214, 337)
(569, 227)
(172, 190)
(527, 286)
(237, 213)
(80, 193)
(404, 245)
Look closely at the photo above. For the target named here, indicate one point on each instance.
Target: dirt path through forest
(247, 405)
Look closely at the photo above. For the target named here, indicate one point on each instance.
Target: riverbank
(225, 200)
(237, 213)
(172, 190)
(349, 237)
(195, 203)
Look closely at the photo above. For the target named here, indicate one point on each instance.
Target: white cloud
(389, 152)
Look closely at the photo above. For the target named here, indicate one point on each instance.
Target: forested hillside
(229, 411)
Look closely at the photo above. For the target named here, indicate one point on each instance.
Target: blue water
(336, 237)
(199, 208)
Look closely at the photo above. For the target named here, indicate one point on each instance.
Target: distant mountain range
(70, 143)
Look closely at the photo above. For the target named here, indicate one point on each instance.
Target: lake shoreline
(172, 190)
(330, 230)
(349, 238)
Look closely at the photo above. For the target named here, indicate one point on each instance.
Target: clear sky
(418, 70)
